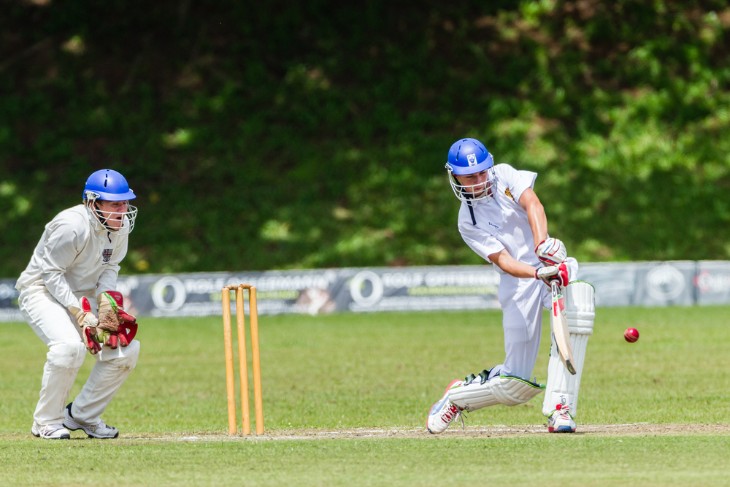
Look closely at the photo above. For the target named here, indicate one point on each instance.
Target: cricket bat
(559, 325)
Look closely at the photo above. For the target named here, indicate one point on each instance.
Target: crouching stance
(502, 220)
(68, 296)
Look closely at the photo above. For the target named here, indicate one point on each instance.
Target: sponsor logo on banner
(665, 283)
(707, 282)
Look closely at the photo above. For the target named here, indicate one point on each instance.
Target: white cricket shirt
(76, 256)
(490, 225)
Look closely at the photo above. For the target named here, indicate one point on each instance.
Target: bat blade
(559, 325)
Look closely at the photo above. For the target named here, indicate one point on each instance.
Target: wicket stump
(242, 359)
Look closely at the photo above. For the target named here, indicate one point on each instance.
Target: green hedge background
(279, 135)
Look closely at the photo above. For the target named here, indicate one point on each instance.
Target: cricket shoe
(96, 430)
(443, 412)
(50, 431)
(561, 421)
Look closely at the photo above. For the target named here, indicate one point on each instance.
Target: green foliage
(314, 135)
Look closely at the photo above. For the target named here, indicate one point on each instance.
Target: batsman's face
(113, 212)
(476, 184)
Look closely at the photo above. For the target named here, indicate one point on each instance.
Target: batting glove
(551, 251)
(553, 273)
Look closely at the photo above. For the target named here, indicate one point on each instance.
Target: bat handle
(555, 287)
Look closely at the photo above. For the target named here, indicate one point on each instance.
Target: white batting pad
(503, 389)
(562, 387)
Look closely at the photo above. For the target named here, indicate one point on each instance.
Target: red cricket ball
(631, 335)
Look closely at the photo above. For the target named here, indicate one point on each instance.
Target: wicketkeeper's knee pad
(562, 387)
(503, 389)
(66, 355)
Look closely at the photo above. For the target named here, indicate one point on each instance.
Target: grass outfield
(346, 397)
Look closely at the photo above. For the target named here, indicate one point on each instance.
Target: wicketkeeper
(68, 296)
(503, 221)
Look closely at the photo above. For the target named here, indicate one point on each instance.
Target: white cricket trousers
(66, 353)
(522, 302)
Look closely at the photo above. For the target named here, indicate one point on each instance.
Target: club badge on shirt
(508, 193)
(106, 255)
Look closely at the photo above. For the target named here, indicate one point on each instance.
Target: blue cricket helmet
(466, 160)
(107, 185)
(468, 156)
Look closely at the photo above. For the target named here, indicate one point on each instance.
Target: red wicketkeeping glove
(127, 323)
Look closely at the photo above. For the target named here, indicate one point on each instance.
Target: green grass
(575, 461)
(345, 398)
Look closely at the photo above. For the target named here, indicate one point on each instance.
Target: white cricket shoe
(561, 421)
(98, 430)
(50, 431)
(443, 412)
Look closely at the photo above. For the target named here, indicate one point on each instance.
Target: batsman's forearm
(538, 223)
(512, 266)
(520, 269)
(535, 216)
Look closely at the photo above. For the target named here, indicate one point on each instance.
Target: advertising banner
(643, 283)
(368, 290)
(318, 291)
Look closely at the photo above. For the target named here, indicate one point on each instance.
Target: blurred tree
(279, 135)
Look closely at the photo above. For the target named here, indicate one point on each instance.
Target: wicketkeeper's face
(113, 212)
(476, 184)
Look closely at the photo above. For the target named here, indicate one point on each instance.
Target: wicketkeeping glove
(553, 273)
(551, 251)
(88, 324)
(120, 325)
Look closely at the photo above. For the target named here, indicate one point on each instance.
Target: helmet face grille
(470, 193)
(102, 217)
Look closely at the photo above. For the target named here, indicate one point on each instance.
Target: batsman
(503, 221)
(68, 296)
